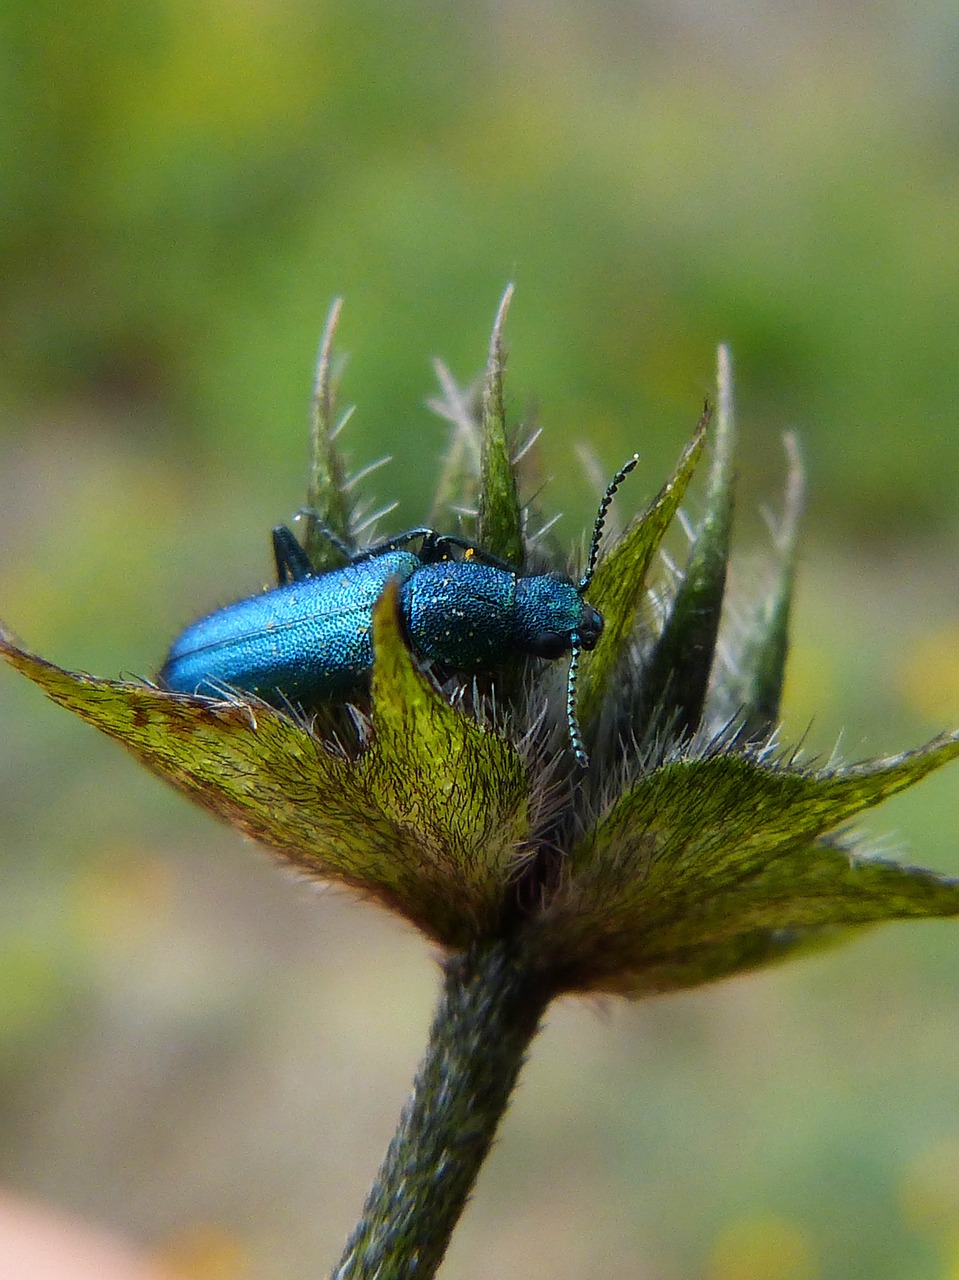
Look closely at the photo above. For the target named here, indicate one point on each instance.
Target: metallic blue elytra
(305, 641)
(308, 640)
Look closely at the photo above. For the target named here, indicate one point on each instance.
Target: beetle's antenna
(576, 648)
(572, 724)
(611, 488)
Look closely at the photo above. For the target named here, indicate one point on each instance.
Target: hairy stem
(488, 1014)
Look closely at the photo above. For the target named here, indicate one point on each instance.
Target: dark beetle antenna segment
(572, 724)
(576, 648)
(601, 514)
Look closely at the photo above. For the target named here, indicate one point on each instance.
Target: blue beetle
(308, 640)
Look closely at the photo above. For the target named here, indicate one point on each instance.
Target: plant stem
(488, 1013)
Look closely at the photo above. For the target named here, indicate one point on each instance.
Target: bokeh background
(208, 1056)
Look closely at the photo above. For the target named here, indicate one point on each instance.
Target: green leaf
(702, 852)
(678, 671)
(439, 845)
(499, 525)
(619, 583)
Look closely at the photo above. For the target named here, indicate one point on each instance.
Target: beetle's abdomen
(304, 642)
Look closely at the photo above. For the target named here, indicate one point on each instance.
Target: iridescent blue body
(308, 640)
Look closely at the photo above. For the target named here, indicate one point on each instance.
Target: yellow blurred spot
(767, 1248)
(205, 1251)
(31, 987)
(119, 898)
(929, 1193)
(811, 684)
(929, 676)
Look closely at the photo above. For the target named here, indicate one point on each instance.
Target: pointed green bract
(763, 656)
(436, 844)
(461, 788)
(751, 691)
(499, 525)
(678, 672)
(456, 488)
(727, 811)
(816, 895)
(683, 969)
(326, 498)
(246, 762)
(701, 852)
(619, 583)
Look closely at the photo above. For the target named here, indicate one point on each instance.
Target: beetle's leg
(292, 562)
(393, 544)
(482, 555)
(347, 551)
(438, 546)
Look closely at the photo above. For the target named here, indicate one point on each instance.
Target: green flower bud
(693, 847)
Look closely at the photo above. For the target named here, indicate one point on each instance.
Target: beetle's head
(590, 626)
(552, 616)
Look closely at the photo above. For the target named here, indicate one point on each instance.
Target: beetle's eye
(549, 644)
(590, 627)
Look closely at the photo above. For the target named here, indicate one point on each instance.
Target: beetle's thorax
(461, 613)
(550, 612)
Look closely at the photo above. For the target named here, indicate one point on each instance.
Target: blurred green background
(206, 1054)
